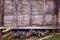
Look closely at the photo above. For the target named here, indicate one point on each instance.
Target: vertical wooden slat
(1, 12)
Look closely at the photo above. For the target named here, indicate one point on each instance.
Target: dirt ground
(32, 38)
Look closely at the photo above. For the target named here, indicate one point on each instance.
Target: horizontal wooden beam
(31, 27)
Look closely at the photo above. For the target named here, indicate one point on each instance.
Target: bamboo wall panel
(23, 15)
(8, 12)
(59, 18)
(47, 9)
(29, 12)
(37, 19)
(8, 20)
(8, 7)
(23, 20)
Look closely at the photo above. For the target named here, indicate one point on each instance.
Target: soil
(32, 38)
